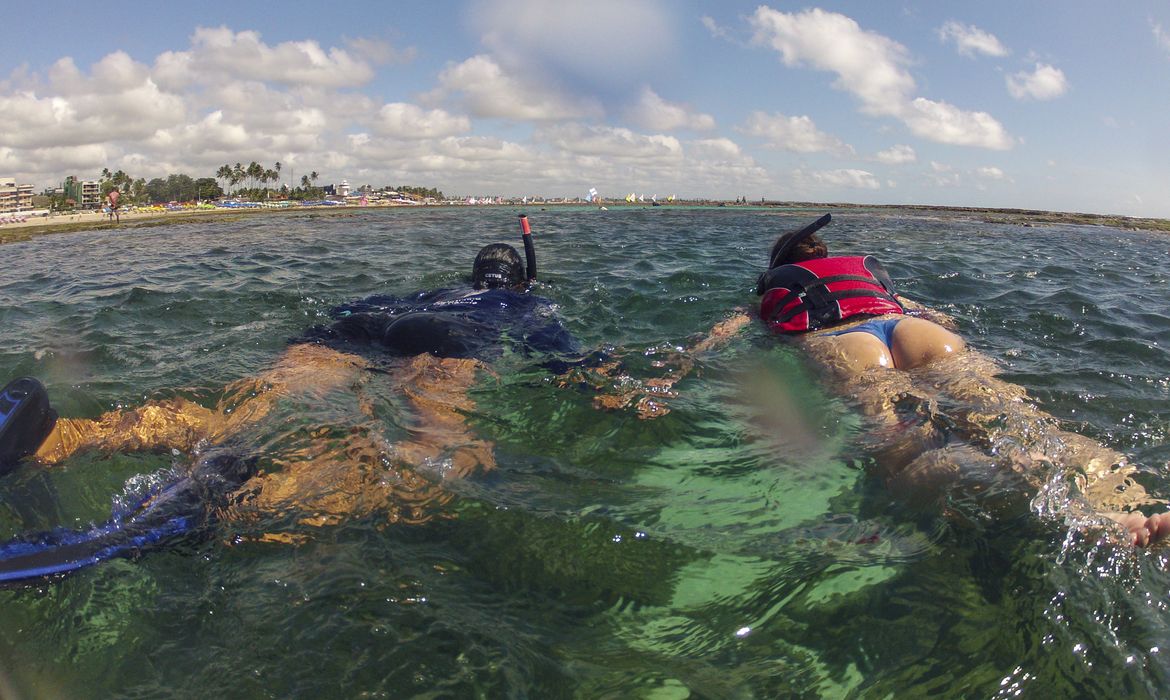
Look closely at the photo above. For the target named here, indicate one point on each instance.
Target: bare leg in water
(184, 425)
(328, 480)
(363, 474)
(991, 416)
(943, 387)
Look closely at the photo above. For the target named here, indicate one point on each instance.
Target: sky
(1058, 105)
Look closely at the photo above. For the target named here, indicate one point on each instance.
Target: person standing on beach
(112, 202)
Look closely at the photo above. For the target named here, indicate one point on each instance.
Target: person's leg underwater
(183, 424)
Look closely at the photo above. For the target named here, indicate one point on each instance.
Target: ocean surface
(714, 552)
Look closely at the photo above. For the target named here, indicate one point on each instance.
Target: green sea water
(723, 550)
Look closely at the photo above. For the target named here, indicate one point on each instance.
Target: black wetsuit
(447, 323)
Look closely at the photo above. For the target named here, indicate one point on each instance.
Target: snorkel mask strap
(529, 247)
(494, 274)
(798, 237)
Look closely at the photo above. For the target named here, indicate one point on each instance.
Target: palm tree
(237, 174)
(255, 173)
(224, 173)
(277, 168)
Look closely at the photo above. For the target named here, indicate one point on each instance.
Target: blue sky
(1046, 105)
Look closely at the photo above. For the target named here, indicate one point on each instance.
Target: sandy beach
(97, 220)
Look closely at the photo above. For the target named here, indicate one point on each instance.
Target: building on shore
(14, 197)
(86, 193)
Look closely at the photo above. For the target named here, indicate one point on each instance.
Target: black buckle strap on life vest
(805, 304)
(815, 288)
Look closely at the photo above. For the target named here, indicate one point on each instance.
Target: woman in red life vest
(847, 305)
(938, 417)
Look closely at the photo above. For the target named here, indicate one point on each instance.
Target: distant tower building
(86, 194)
(343, 188)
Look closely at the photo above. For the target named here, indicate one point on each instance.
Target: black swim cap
(497, 265)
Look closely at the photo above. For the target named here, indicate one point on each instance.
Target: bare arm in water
(649, 396)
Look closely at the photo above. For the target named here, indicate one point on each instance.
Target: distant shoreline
(97, 221)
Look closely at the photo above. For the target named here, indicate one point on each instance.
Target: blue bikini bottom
(880, 328)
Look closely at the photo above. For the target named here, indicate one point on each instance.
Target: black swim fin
(26, 419)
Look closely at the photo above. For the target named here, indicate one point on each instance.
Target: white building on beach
(14, 197)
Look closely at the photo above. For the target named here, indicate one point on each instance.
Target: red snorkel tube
(529, 247)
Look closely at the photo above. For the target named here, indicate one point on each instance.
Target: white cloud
(1161, 36)
(712, 26)
(656, 114)
(797, 134)
(190, 111)
(845, 177)
(991, 173)
(489, 91)
(89, 157)
(897, 155)
(872, 68)
(220, 54)
(407, 121)
(483, 148)
(213, 134)
(380, 52)
(720, 149)
(986, 176)
(118, 100)
(612, 143)
(608, 40)
(1044, 83)
(970, 40)
(943, 175)
(867, 64)
(278, 111)
(945, 123)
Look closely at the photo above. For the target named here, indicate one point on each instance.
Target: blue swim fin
(26, 419)
(181, 507)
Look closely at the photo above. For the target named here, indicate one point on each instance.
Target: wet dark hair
(497, 265)
(811, 248)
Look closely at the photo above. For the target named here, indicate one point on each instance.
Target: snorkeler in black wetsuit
(458, 327)
(458, 323)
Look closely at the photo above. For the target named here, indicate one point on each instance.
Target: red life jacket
(815, 294)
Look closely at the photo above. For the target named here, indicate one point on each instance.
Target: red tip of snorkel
(525, 229)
